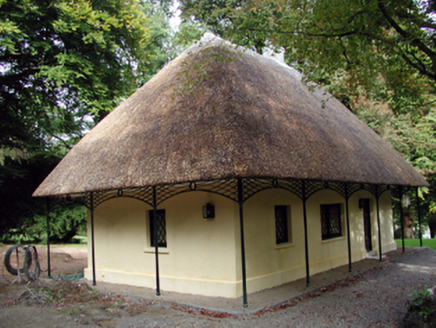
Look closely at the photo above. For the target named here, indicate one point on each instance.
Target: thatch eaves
(218, 112)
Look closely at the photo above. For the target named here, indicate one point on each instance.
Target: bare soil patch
(64, 260)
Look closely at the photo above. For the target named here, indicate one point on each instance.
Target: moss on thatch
(217, 112)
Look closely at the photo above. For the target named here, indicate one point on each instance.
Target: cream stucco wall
(200, 253)
(269, 264)
(203, 256)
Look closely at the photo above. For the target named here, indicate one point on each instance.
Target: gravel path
(377, 299)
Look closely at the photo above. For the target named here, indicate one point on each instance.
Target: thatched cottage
(224, 175)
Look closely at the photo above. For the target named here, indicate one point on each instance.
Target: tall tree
(64, 64)
(386, 46)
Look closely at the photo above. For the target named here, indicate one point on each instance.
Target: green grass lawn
(415, 243)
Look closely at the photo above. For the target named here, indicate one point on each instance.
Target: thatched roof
(217, 112)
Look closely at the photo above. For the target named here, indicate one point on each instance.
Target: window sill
(331, 240)
(151, 250)
(283, 246)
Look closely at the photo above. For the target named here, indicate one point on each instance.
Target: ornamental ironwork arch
(303, 189)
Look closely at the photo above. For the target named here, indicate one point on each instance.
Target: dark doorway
(364, 205)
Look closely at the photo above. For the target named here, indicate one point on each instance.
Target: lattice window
(161, 228)
(282, 224)
(331, 222)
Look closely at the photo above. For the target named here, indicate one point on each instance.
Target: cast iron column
(48, 237)
(94, 281)
(401, 218)
(156, 246)
(378, 224)
(306, 247)
(241, 228)
(348, 227)
(418, 209)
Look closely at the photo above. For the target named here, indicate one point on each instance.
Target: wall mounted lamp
(209, 211)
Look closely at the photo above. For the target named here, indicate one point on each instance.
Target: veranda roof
(219, 112)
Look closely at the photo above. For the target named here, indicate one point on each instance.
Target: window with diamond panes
(161, 228)
(331, 223)
(282, 224)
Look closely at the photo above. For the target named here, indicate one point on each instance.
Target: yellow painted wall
(269, 264)
(203, 256)
(200, 253)
(387, 228)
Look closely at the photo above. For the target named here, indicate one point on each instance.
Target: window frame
(161, 216)
(287, 238)
(326, 214)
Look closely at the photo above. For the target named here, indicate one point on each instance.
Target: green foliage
(414, 137)
(18, 180)
(66, 224)
(384, 48)
(188, 33)
(160, 48)
(422, 301)
(63, 66)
